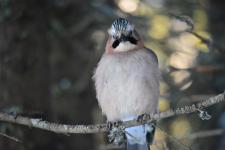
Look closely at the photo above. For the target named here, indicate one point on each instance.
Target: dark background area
(49, 49)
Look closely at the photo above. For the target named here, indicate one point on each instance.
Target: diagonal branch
(10, 137)
(204, 134)
(100, 128)
(208, 42)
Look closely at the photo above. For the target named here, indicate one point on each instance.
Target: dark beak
(123, 38)
(127, 38)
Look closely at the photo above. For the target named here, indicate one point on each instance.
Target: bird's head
(123, 37)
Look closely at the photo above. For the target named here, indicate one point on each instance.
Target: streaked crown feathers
(121, 26)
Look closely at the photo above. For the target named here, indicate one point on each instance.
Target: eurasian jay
(127, 82)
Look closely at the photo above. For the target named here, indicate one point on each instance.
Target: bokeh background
(49, 49)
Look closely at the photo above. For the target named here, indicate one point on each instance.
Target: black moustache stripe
(115, 43)
(130, 39)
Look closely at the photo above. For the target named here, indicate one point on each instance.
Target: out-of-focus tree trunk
(37, 53)
(24, 68)
(217, 30)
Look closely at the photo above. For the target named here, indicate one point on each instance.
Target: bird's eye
(130, 33)
(132, 40)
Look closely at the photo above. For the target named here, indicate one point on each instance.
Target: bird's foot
(143, 118)
(110, 124)
(116, 132)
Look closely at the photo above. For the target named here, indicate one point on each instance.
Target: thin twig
(165, 146)
(11, 137)
(192, 136)
(204, 134)
(99, 128)
(209, 42)
(174, 139)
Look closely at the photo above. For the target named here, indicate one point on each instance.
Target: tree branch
(208, 42)
(100, 128)
(10, 137)
(204, 134)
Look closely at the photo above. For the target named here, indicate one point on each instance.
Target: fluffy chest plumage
(127, 84)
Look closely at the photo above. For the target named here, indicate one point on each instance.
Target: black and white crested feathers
(121, 26)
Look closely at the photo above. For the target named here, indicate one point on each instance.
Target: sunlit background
(49, 49)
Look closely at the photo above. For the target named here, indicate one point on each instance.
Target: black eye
(132, 40)
(115, 43)
(130, 33)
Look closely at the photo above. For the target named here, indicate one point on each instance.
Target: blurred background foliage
(49, 49)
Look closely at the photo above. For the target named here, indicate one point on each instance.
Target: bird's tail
(139, 137)
(144, 146)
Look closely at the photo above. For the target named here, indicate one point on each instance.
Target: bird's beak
(123, 38)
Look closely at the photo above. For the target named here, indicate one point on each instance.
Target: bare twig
(192, 136)
(99, 128)
(174, 139)
(209, 42)
(204, 134)
(11, 137)
(188, 20)
(165, 146)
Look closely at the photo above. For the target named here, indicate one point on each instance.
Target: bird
(127, 82)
